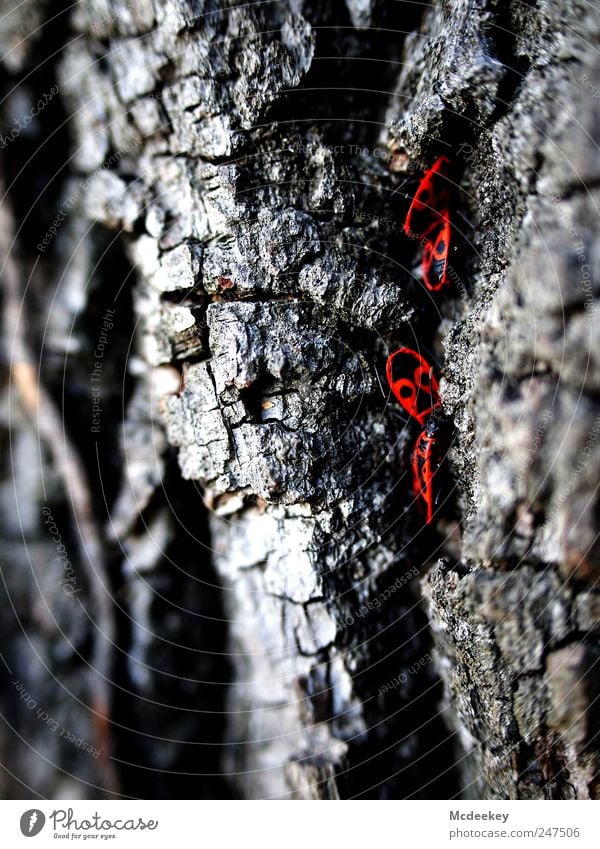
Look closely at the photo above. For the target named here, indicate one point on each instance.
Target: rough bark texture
(260, 611)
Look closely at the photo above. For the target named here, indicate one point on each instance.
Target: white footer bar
(290, 825)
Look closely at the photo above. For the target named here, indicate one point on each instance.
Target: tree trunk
(205, 271)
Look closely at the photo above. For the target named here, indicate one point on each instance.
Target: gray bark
(259, 600)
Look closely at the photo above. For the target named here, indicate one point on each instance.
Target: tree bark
(199, 353)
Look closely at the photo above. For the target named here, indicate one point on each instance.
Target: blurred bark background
(215, 579)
